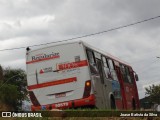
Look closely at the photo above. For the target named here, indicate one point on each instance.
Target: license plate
(60, 95)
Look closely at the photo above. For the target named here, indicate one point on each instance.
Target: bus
(75, 74)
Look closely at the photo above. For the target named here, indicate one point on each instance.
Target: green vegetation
(12, 88)
(153, 93)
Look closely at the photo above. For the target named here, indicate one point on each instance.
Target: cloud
(21, 63)
(25, 26)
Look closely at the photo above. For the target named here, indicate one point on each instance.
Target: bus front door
(105, 85)
(121, 87)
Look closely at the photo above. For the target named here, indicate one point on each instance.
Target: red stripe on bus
(73, 65)
(39, 60)
(47, 84)
(68, 104)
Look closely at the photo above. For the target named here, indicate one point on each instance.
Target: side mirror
(136, 77)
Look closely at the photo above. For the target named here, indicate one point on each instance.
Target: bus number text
(61, 104)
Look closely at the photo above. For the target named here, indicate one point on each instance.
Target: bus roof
(86, 45)
(106, 54)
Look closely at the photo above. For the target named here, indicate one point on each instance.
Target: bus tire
(113, 105)
(133, 104)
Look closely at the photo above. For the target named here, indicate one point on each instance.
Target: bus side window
(92, 63)
(128, 75)
(99, 65)
(112, 70)
(110, 62)
(123, 73)
(107, 73)
(100, 69)
(131, 74)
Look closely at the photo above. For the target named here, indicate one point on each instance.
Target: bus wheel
(113, 105)
(133, 104)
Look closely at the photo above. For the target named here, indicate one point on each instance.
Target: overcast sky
(29, 22)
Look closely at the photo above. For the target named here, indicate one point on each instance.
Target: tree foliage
(154, 93)
(1, 74)
(13, 87)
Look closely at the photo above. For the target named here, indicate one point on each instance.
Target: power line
(8, 80)
(88, 35)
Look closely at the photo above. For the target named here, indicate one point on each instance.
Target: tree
(13, 87)
(153, 93)
(1, 74)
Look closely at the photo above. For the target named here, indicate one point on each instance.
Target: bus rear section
(58, 77)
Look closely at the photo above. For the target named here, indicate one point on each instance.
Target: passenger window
(92, 63)
(110, 62)
(97, 55)
(114, 75)
(112, 71)
(126, 74)
(90, 56)
(99, 65)
(123, 73)
(131, 74)
(107, 73)
(104, 61)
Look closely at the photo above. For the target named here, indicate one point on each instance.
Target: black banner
(79, 113)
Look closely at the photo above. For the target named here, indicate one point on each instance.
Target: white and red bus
(75, 74)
